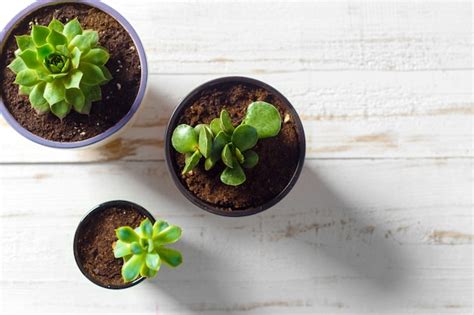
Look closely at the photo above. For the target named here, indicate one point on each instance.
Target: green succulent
(60, 67)
(142, 249)
(220, 140)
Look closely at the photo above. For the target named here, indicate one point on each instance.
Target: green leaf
(169, 235)
(191, 161)
(92, 37)
(37, 100)
(205, 141)
(136, 248)
(153, 261)
(233, 176)
(97, 56)
(72, 28)
(227, 156)
(26, 77)
(92, 92)
(17, 65)
(73, 80)
(127, 234)
(39, 34)
(56, 38)
(146, 228)
(61, 109)
(56, 25)
(239, 156)
(44, 51)
(215, 126)
(131, 269)
(244, 137)
(25, 90)
(251, 159)
(122, 249)
(226, 122)
(30, 58)
(92, 74)
(217, 145)
(147, 272)
(159, 226)
(107, 74)
(82, 42)
(54, 92)
(184, 139)
(25, 42)
(170, 256)
(265, 118)
(76, 98)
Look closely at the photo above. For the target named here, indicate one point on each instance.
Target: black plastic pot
(173, 122)
(83, 224)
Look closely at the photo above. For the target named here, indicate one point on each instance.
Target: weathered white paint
(380, 221)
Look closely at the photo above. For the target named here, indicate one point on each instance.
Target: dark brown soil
(278, 155)
(95, 243)
(117, 95)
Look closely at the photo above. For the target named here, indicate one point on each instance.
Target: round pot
(170, 161)
(110, 133)
(83, 224)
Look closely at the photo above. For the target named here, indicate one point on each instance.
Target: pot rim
(101, 207)
(207, 206)
(125, 119)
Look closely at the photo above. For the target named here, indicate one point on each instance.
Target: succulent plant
(142, 249)
(60, 67)
(220, 140)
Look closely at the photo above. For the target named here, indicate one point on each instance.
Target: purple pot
(109, 132)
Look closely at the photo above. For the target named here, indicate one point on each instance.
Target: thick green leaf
(25, 42)
(239, 156)
(169, 235)
(159, 226)
(92, 92)
(244, 137)
(97, 56)
(72, 28)
(227, 156)
(251, 159)
(57, 76)
(226, 122)
(92, 37)
(233, 176)
(25, 90)
(76, 98)
(265, 118)
(205, 141)
(17, 65)
(56, 38)
(44, 51)
(30, 58)
(170, 256)
(92, 74)
(73, 80)
(147, 272)
(136, 248)
(122, 249)
(127, 234)
(39, 34)
(184, 139)
(146, 228)
(61, 109)
(153, 261)
(54, 92)
(82, 42)
(191, 161)
(75, 57)
(131, 269)
(37, 100)
(215, 126)
(26, 77)
(107, 74)
(56, 25)
(217, 145)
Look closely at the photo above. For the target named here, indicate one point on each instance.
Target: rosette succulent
(142, 249)
(60, 67)
(220, 140)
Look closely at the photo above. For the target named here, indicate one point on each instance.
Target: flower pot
(94, 237)
(121, 97)
(276, 172)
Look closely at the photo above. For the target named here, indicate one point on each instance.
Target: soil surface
(117, 95)
(95, 243)
(278, 156)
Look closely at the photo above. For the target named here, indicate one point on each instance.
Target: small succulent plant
(220, 140)
(142, 249)
(60, 67)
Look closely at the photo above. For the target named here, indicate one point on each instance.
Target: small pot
(173, 122)
(110, 133)
(83, 224)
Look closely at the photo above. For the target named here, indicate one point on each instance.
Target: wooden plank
(346, 115)
(354, 236)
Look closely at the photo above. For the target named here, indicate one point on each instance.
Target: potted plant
(118, 244)
(72, 74)
(235, 146)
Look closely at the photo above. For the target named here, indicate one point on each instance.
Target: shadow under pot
(94, 237)
(72, 74)
(235, 146)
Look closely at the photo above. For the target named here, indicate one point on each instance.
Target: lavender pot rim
(122, 122)
(101, 207)
(207, 206)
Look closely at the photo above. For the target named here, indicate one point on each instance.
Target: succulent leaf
(146, 228)
(170, 256)
(158, 227)
(121, 249)
(226, 122)
(250, 159)
(233, 176)
(191, 161)
(265, 118)
(216, 126)
(131, 269)
(127, 234)
(244, 137)
(169, 235)
(205, 141)
(184, 139)
(227, 156)
(153, 261)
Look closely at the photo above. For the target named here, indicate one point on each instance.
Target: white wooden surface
(380, 221)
